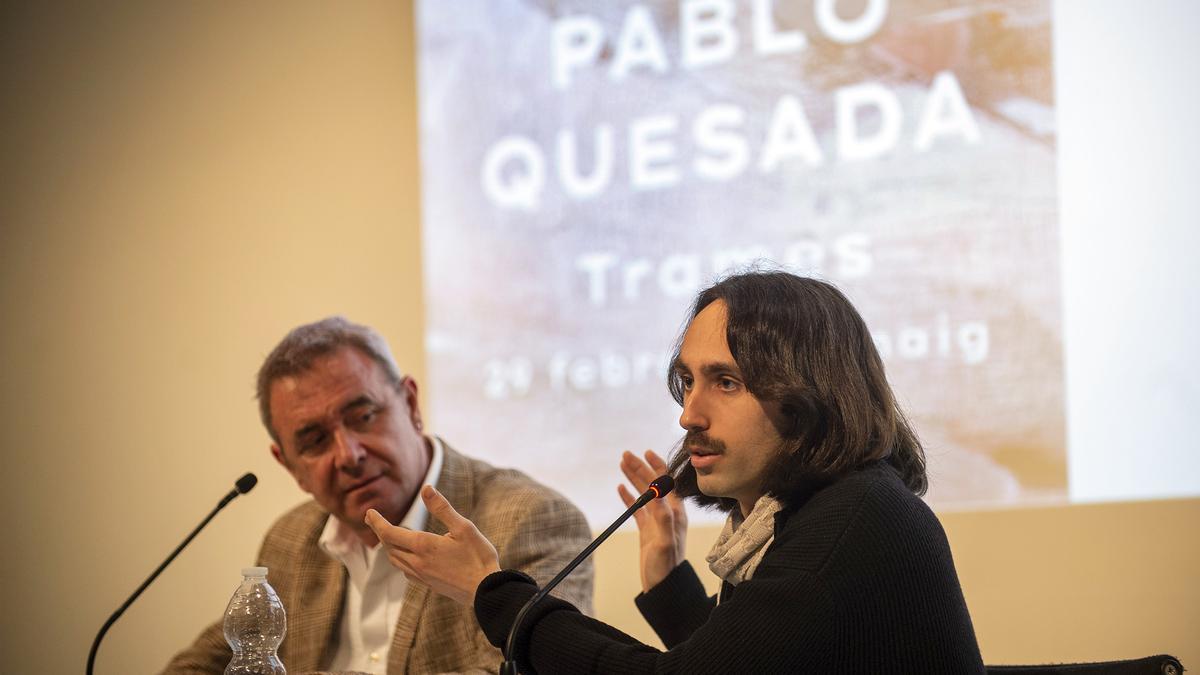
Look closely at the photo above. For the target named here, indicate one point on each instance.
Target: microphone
(241, 487)
(657, 489)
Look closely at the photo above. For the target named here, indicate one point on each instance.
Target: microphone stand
(244, 484)
(658, 489)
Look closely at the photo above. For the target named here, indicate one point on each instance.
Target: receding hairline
(304, 345)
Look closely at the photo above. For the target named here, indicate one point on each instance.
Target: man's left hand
(452, 564)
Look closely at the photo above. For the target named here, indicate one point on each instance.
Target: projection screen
(588, 167)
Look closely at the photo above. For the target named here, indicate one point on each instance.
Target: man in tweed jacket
(347, 426)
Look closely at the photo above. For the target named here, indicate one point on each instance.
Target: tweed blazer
(534, 529)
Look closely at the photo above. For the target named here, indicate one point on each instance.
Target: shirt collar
(338, 540)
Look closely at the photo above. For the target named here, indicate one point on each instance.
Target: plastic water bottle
(254, 626)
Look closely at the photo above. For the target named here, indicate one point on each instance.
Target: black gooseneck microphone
(241, 487)
(657, 490)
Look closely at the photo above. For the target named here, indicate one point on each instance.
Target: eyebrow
(357, 403)
(720, 368)
(306, 430)
(708, 370)
(316, 426)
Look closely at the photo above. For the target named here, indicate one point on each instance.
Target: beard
(785, 477)
(686, 484)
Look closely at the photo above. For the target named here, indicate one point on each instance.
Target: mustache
(703, 440)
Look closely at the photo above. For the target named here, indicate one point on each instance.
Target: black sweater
(859, 579)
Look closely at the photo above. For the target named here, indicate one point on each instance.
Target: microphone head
(662, 485)
(246, 483)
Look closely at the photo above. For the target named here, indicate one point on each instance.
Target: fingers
(440, 508)
(626, 496)
(656, 463)
(375, 521)
(392, 535)
(637, 471)
(629, 467)
(401, 563)
(660, 468)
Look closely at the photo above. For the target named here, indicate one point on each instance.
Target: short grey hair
(304, 344)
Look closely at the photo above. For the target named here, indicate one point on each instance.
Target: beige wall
(185, 182)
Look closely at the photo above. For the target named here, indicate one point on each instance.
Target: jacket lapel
(457, 484)
(318, 595)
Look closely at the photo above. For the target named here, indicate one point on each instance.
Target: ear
(408, 391)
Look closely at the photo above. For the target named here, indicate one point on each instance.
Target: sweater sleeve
(769, 625)
(500, 598)
(677, 606)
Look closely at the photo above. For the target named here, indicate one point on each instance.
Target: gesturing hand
(452, 564)
(662, 524)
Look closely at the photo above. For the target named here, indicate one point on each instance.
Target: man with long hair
(829, 560)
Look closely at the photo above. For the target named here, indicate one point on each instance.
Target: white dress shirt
(375, 592)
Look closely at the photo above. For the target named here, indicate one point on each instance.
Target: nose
(348, 453)
(693, 417)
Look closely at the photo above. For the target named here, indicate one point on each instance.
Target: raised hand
(452, 564)
(662, 524)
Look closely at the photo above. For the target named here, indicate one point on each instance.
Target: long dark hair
(800, 343)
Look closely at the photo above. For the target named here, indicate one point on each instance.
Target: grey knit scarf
(743, 541)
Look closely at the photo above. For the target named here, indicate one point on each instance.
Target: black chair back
(1163, 664)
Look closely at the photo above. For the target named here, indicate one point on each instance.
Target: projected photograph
(588, 167)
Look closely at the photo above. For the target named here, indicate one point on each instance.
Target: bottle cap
(254, 572)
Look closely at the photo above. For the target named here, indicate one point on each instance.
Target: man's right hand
(662, 523)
